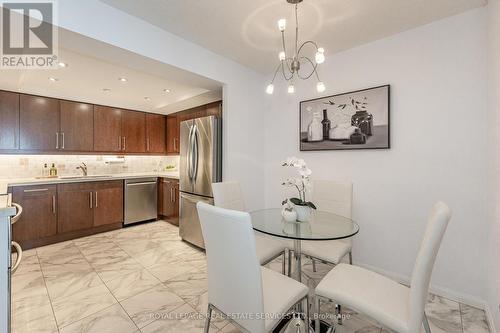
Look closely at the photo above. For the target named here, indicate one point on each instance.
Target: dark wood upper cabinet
(77, 126)
(173, 135)
(76, 207)
(39, 123)
(107, 129)
(134, 131)
(214, 109)
(155, 133)
(39, 218)
(108, 202)
(9, 120)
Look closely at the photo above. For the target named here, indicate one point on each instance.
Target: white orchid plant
(302, 183)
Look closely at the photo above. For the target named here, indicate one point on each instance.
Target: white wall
(439, 148)
(493, 272)
(243, 96)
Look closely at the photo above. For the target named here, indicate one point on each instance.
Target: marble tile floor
(144, 279)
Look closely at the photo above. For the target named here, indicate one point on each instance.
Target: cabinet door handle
(119, 143)
(96, 203)
(175, 145)
(147, 144)
(36, 190)
(90, 200)
(124, 143)
(171, 195)
(54, 204)
(62, 135)
(57, 140)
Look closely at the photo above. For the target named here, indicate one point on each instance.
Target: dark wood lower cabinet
(75, 204)
(108, 203)
(169, 200)
(55, 213)
(39, 218)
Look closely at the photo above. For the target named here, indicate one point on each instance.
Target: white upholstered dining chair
(228, 195)
(237, 284)
(391, 304)
(333, 197)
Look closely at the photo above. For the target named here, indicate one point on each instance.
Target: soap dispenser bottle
(45, 170)
(53, 170)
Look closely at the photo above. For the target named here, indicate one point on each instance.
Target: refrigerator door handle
(189, 153)
(196, 157)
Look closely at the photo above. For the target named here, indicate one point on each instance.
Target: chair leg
(338, 307)
(289, 263)
(427, 328)
(209, 317)
(318, 312)
(307, 319)
(283, 264)
(350, 258)
(314, 265)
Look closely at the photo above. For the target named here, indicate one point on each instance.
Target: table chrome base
(287, 326)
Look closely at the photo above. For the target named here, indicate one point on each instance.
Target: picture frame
(348, 121)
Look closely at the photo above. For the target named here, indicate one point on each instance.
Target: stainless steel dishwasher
(141, 197)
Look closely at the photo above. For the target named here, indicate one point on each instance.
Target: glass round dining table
(322, 226)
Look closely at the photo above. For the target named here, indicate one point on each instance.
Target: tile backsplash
(27, 166)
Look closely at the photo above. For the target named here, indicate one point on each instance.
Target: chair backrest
(228, 195)
(422, 270)
(234, 273)
(333, 196)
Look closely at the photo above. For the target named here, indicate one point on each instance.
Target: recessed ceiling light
(147, 98)
(166, 90)
(53, 79)
(107, 90)
(123, 79)
(62, 64)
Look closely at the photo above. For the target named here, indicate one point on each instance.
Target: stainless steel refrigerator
(200, 166)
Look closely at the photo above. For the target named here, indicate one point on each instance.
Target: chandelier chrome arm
(289, 69)
(276, 72)
(306, 43)
(314, 71)
(296, 32)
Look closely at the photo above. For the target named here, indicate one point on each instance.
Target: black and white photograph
(354, 120)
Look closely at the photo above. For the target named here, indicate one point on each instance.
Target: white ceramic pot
(303, 213)
(289, 216)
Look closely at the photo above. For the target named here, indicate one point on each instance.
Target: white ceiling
(246, 30)
(85, 78)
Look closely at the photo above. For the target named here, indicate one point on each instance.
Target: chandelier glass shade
(297, 65)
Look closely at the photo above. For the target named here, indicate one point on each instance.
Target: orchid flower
(302, 184)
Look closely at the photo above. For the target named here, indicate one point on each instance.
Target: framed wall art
(353, 120)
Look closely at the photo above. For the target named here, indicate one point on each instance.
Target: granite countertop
(4, 183)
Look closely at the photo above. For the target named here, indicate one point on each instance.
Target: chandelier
(291, 66)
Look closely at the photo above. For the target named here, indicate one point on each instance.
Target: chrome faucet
(83, 167)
